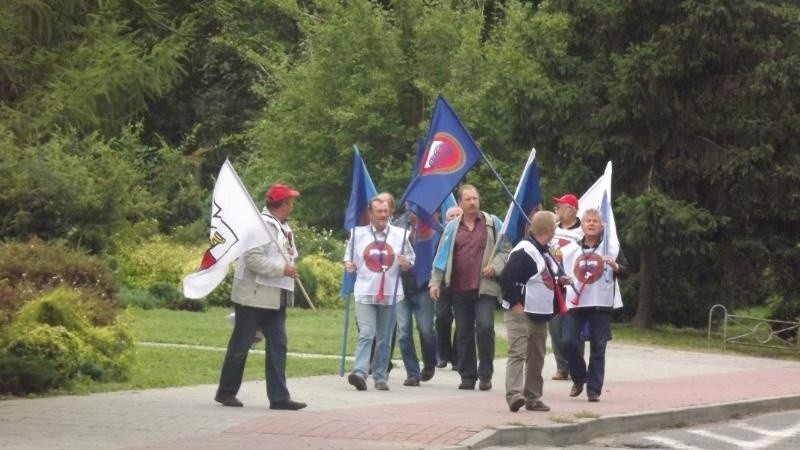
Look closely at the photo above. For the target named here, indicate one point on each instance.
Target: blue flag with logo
(449, 155)
(362, 191)
(528, 196)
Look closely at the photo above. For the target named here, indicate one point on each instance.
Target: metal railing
(756, 332)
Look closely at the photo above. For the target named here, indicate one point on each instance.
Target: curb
(588, 429)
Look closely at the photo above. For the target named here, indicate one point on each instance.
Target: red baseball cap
(280, 192)
(569, 199)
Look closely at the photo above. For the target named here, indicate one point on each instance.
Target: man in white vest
(263, 287)
(377, 253)
(593, 270)
(528, 283)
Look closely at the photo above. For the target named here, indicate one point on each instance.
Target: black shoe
(467, 385)
(441, 364)
(576, 390)
(593, 396)
(381, 386)
(485, 385)
(427, 373)
(287, 404)
(516, 404)
(228, 401)
(358, 381)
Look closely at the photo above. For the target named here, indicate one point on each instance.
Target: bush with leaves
(30, 268)
(22, 375)
(57, 326)
(156, 260)
(322, 279)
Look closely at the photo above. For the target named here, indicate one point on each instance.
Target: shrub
(157, 260)
(140, 298)
(20, 375)
(787, 310)
(314, 241)
(28, 269)
(100, 352)
(55, 344)
(322, 279)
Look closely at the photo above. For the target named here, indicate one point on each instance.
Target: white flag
(593, 198)
(236, 226)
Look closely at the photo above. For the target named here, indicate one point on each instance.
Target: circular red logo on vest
(378, 256)
(588, 268)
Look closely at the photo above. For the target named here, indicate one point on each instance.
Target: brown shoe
(560, 376)
(411, 381)
(427, 373)
(538, 405)
(516, 404)
(358, 381)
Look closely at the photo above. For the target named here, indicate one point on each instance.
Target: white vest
(539, 287)
(374, 254)
(287, 252)
(596, 285)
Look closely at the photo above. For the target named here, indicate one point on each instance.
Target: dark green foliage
(140, 298)
(186, 304)
(21, 375)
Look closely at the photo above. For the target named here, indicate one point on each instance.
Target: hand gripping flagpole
(274, 241)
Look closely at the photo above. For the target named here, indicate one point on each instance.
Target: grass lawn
(313, 332)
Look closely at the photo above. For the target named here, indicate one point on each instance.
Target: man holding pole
(376, 253)
(263, 287)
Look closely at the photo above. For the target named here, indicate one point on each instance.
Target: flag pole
(347, 308)
(271, 237)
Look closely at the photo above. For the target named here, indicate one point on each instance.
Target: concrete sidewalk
(645, 388)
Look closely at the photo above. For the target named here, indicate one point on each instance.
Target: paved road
(646, 388)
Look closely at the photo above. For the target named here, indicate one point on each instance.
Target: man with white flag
(235, 228)
(593, 265)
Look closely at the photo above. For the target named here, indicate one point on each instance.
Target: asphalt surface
(646, 388)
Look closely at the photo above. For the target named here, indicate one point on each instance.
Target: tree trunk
(647, 289)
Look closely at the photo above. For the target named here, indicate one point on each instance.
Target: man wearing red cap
(568, 231)
(263, 287)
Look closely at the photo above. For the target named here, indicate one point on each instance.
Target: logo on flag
(219, 244)
(445, 155)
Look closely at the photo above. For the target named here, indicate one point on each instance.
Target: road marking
(771, 437)
(671, 443)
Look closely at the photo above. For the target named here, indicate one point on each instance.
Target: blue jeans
(599, 326)
(373, 323)
(474, 322)
(420, 305)
(271, 322)
(445, 341)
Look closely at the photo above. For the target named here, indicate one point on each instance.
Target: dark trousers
(445, 342)
(599, 328)
(474, 324)
(271, 322)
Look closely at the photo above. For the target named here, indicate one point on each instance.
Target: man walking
(263, 287)
(377, 253)
(468, 264)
